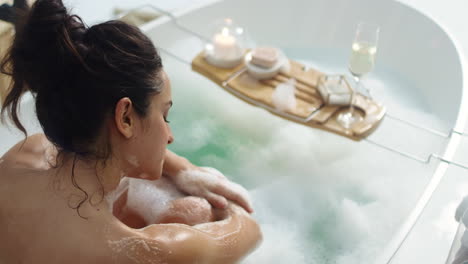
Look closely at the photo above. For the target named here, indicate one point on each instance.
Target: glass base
(348, 118)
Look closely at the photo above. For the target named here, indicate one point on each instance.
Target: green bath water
(319, 198)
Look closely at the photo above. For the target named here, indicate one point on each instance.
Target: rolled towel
(464, 240)
(461, 256)
(461, 209)
(462, 217)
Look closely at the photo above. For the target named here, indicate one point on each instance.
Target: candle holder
(227, 46)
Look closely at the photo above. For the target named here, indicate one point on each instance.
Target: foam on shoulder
(150, 199)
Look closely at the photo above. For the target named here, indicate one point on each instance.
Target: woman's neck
(90, 175)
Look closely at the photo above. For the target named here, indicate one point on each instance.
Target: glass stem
(353, 93)
(358, 84)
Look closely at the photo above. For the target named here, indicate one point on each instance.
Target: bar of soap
(265, 57)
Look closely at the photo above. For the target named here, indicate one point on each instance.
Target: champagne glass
(361, 62)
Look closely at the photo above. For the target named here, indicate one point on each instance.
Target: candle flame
(225, 31)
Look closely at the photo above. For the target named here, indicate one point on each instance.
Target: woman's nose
(171, 137)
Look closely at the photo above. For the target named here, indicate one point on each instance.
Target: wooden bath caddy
(310, 109)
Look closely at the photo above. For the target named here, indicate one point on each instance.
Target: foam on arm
(225, 241)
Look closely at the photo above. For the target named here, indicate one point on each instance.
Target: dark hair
(77, 75)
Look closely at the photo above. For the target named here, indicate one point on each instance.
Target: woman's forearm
(236, 236)
(225, 241)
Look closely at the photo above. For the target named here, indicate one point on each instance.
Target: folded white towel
(461, 209)
(464, 240)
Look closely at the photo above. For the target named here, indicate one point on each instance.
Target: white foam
(342, 200)
(190, 210)
(195, 180)
(133, 161)
(144, 176)
(355, 216)
(151, 198)
(201, 133)
(281, 244)
(113, 195)
(132, 247)
(283, 98)
(325, 173)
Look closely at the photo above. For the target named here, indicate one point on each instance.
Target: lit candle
(226, 46)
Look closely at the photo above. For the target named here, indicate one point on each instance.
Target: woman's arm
(35, 152)
(207, 183)
(163, 205)
(225, 241)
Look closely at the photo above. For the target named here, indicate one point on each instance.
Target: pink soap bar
(264, 57)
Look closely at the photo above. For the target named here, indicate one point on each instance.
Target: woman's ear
(124, 117)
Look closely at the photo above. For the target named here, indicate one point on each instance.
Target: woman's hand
(212, 185)
(189, 210)
(204, 182)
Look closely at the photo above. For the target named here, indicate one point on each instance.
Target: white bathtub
(9, 135)
(321, 198)
(378, 186)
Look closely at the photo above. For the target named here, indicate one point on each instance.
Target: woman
(102, 98)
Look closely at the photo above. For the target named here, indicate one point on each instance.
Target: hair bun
(55, 35)
(47, 47)
(78, 74)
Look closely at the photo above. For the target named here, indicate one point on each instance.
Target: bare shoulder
(35, 152)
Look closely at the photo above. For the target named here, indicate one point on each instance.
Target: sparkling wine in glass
(361, 62)
(362, 58)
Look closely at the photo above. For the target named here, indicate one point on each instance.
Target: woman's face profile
(152, 135)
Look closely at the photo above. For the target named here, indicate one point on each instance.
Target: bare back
(37, 221)
(38, 224)
(36, 218)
